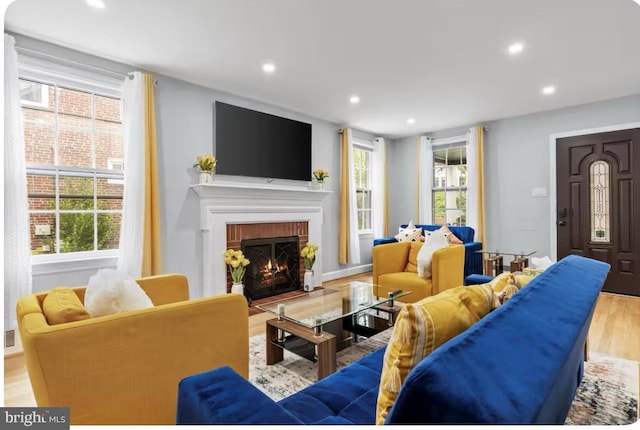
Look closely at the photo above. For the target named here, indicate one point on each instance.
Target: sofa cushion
(407, 281)
(62, 305)
(452, 238)
(421, 328)
(412, 261)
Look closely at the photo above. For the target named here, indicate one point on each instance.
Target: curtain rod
(71, 62)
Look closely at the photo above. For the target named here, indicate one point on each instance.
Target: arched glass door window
(600, 192)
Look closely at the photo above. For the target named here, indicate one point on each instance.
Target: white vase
(320, 185)
(308, 281)
(237, 288)
(206, 177)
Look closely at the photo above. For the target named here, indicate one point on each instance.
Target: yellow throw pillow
(420, 328)
(62, 305)
(522, 280)
(412, 262)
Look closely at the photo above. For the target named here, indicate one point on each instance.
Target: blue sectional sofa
(520, 364)
(472, 258)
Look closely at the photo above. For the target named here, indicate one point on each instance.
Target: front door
(598, 212)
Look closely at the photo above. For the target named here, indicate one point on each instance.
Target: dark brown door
(598, 212)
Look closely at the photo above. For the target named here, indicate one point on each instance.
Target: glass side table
(494, 261)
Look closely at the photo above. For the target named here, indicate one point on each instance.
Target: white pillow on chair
(434, 241)
(111, 292)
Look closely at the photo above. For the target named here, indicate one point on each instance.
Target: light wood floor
(615, 331)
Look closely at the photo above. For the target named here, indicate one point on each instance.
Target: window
(362, 166)
(450, 185)
(599, 201)
(74, 153)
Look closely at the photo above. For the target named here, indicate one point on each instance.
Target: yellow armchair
(390, 261)
(125, 368)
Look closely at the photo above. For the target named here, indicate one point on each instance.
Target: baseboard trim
(356, 270)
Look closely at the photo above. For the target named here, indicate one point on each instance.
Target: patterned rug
(608, 393)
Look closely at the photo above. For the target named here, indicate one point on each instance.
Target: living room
(519, 129)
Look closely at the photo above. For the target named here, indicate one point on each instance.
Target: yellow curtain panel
(152, 247)
(480, 232)
(343, 228)
(386, 196)
(417, 202)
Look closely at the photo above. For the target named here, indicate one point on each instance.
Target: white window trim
(44, 94)
(75, 78)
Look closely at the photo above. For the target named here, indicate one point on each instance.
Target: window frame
(57, 75)
(366, 147)
(447, 145)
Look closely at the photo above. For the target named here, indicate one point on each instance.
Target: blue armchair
(472, 258)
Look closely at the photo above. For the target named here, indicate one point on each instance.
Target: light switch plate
(539, 192)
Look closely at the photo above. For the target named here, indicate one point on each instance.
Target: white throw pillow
(541, 263)
(434, 241)
(110, 292)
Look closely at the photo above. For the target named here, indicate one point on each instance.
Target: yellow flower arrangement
(320, 174)
(206, 163)
(237, 264)
(308, 254)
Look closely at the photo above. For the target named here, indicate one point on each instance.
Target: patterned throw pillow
(450, 236)
(409, 234)
(420, 328)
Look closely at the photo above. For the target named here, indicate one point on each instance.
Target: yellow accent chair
(125, 368)
(395, 267)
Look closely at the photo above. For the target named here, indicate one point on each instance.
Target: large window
(450, 185)
(362, 167)
(74, 152)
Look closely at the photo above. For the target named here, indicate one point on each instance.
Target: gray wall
(517, 157)
(184, 119)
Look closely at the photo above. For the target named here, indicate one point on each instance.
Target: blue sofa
(520, 364)
(472, 258)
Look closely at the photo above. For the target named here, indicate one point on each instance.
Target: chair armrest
(383, 240)
(221, 396)
(389, 258)
(472, 259)
(447, 268)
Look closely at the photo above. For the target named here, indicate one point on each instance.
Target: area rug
(608, 393)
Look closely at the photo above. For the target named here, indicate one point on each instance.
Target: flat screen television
(252, 143)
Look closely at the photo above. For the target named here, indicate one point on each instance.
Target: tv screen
(251, 143)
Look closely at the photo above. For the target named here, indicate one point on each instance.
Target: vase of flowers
(237, 263)
(320, 175)
(308, 254)
(206, 164)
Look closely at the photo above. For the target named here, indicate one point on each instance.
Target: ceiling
(442, 62)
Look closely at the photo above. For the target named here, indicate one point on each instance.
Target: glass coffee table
(317, 325)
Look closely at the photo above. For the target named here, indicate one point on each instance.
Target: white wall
(516, 160)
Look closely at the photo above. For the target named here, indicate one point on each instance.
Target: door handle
(562, 223)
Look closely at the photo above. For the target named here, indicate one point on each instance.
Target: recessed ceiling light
(98, 4)
(268, 67)
(354, 99)
(549, 90)
(516, 48)
(411, 121)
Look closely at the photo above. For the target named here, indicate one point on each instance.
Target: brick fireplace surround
(229, 211)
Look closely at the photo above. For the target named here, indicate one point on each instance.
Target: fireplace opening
(274, 268)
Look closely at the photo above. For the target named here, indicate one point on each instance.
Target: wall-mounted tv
(251, 143)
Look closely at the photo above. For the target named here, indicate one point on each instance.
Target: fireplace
(274, 268)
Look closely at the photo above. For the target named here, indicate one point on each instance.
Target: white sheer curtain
(131, 230)
(17, 240)
(472, 175)
(379, 204)
(425, 181)
(354, 237)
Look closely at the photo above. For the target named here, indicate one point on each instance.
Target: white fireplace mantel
(244, 203)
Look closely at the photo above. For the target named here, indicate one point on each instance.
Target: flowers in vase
(320, 174)
(237, 264)
(308, 254)
(206, 163)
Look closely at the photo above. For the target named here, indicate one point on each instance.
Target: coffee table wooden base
(325, 344)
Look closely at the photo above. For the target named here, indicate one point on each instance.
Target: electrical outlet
(43, 230)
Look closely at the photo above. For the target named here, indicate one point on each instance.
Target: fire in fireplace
(274, 268)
